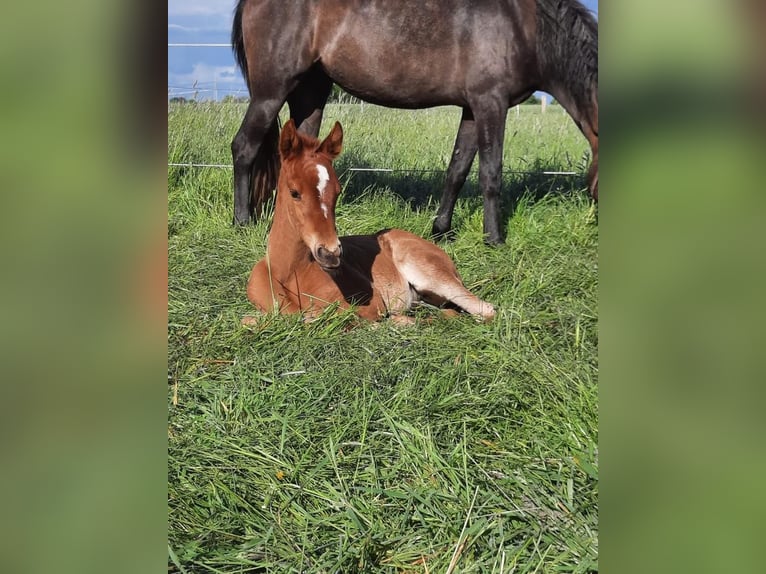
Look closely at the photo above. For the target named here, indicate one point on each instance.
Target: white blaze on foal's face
(324, 177)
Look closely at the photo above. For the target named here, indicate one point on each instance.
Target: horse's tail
(567, 48)
(265, 171)
(238, 43)
(263, 179)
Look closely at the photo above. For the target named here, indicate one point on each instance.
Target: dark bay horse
(482, 55)
(308, 267)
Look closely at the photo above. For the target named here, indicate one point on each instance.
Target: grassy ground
(451, 446)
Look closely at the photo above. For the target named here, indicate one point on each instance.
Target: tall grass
(450, 446)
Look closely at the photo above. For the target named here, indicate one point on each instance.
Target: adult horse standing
(482, 55)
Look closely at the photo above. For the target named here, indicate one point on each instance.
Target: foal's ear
(289, 141)
(333, 143)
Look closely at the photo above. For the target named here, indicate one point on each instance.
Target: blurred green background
(83, 315)
(82, 336)
(681, 289)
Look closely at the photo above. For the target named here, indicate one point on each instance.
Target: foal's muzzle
(327, 258)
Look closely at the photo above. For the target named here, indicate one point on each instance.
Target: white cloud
(205, 74)
(198, 17)
(182, 28)
(201, 7)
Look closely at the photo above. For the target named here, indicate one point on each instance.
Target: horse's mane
(238, 43)
(567, 47)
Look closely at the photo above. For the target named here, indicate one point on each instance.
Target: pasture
(342, 446)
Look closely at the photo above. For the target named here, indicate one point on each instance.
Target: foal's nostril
(327, 258)
(324, 252)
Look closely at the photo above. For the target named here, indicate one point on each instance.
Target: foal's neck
(286, 251)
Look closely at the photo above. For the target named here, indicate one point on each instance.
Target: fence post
(543, 102)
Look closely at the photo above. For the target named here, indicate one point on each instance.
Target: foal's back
(402, 269)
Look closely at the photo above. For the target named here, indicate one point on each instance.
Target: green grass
(449, 446)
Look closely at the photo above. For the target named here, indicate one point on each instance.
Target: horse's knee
(242, 151)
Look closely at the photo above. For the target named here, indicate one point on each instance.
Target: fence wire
(385, 169)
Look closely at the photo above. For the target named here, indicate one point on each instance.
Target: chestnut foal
(308, 267)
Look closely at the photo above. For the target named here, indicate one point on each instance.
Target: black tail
(237, 43)
(263, 179)
(567, 48)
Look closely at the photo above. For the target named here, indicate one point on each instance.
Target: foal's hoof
(402, 320)
(488, 312)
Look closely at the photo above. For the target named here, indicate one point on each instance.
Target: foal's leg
(268, 295)
(445, 286)
(308, 99)
(466, 145)
(260, 288)
(490, 115)
(432, 274)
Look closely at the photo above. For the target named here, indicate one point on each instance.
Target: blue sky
(213, 69)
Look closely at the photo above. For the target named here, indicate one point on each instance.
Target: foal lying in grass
(308, 267)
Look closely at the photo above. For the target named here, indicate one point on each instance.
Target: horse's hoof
(494, 241)
(443, 235)
(240, 221)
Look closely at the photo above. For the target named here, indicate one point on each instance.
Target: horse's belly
(396, 59)
(412, 86)
(414, 54)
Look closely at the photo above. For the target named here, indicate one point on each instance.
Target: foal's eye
(294, 194)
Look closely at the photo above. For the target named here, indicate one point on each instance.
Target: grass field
(449, 446)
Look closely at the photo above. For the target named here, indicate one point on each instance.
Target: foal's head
(308, 189)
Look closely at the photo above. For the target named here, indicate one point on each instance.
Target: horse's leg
(592, 177)
(466, 145)
(490, 127)
(259, 119)
(308, 99)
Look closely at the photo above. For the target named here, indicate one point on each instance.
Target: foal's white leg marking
(444, 284)
(324, 177)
